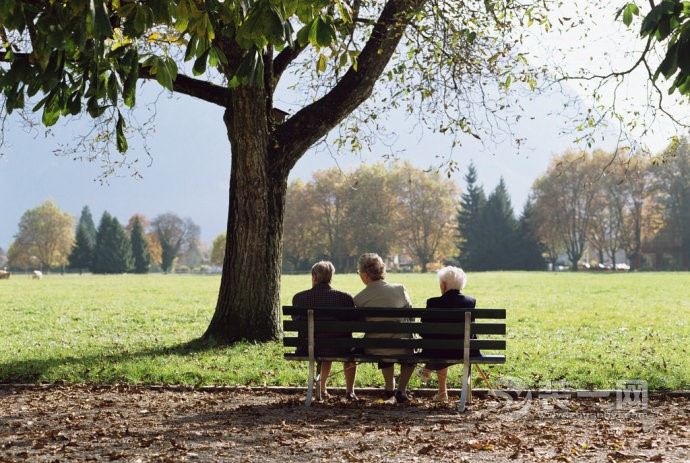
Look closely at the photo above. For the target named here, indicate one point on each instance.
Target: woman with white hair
(452, 281)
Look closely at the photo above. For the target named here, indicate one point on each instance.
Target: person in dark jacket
(452, 281)
(322, 294)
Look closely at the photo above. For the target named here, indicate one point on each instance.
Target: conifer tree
(86, 221)
(81, 256)
(498, 246)
(140, 248)
(529, 250)
(113, 252)
(470, 221)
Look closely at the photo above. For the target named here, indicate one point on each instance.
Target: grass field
(589, 330)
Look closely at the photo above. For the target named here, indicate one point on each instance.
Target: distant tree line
(616, 204)
(339, 215)
(587, 208)
(48, 239)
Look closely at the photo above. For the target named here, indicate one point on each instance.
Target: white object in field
(37, 275)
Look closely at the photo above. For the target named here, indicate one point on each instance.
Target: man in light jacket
(379, 293)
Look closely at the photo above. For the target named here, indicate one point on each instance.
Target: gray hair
(323, 271)
(372, 264)
(453, 277)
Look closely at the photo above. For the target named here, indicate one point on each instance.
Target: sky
(188, 172)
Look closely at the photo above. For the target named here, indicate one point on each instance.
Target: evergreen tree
(86, 221)
(470, 233)
(529, 250)
(113, 251)
(499, 228)
(140, 248)
(81, 256)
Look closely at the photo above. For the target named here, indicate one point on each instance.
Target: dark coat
(451, 299)
(322, 295)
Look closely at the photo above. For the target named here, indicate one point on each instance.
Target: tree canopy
(44, 238)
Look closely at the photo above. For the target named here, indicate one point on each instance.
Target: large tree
(81, 55)
(302, 241)
(425, 207)
(140, 248)
(218, 250)
(176, 236)
(113, 251)
(81, 256)
(46, 233)
(499, 232)
(673, 187)
(528, 250)
(564, 197)
(470, 233)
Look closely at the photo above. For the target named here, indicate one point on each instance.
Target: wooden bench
(465, 324)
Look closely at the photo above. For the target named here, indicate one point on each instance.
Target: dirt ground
(143, 424)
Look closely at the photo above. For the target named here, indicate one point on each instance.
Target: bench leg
(310, 387)
(469, 386)
(465, 386)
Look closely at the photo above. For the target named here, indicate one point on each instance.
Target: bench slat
(395, 327)
(395, 343)
(490, 359)
(446, 314)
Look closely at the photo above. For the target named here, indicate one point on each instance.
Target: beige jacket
(382, 294)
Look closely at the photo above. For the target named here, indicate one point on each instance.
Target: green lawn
(589, 330)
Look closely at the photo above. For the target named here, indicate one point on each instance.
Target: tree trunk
(424, 262)
(248, 301)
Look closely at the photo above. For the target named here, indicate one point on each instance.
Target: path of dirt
(142, 424)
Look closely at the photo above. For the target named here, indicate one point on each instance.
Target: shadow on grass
(33, 370)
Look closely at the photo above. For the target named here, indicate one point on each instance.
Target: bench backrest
(446, 328)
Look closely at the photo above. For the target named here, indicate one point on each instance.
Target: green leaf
(669, 65)
(322, 33)
(345, 11)
(165, 70)
(74, 103)
(93, 108)
(303, 35)
(50, 117)
(191, 48)
(321, 63)
(120, 133)
(130, 87)
(200, 63)
(101, 21)
(628, 11)
(113, 88)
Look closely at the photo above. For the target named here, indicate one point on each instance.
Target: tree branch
(283, 60)
(314, 121)
(194, 87)
(200, 89)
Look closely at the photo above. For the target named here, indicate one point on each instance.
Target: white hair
(453, 277)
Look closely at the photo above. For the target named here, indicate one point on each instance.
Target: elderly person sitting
(452, 281)
(322, 294)
(379, 293)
